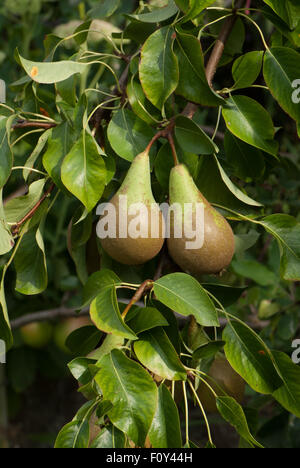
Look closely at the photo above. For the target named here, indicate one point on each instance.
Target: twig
(145, 286)
(28, 124)
(248, 5)
(45, 315)
(15, 229)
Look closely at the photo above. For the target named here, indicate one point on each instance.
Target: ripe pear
(218, 246)
(147, 223)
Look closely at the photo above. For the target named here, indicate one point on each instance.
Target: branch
(145, 286)
(15, 229)
(28, 124)
(47, 315)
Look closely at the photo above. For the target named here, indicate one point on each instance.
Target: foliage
(78, 111)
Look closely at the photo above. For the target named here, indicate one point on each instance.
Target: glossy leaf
(132, 392)
(286, 230)
(128, 134)
(84, 340)
(289, 394)
(140, 104)
(83, 171)
(157, 15)
(159, 73)
(246, 69)
(250, 122)
(208, 350)
(281, 72)
(250, 358)
(6, 161)
(192, 138)
(155, 351)
(106, 315)
(165, 430)
(74, 435)
(233, 413)
(98, 281)
(110, 437)
(146, 318)
(289, 11)
(193, 84)
(183, 293)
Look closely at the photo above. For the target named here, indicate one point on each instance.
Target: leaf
(109, 437)
(192, 138)
(254, 270)
(30, 264)
(132, 392)
(35, 153)
(234, 189)
(165, 430)
(146, 318)
(157, 15)
(6, 240)
(246, 69)
(281, 71)
(6, 161)
(83, 171)
(247, 162)
(60, 143)
(80, 369)
(227, 295)
(289, 11)
(289, 394)
(193, 84)
(106, 315)
(140, 104)
(183, 293)
(233, 413)
(97, 282)
(76, 434)
(155, 351)
(249, 121)
(286, 230)
(128, 134)
(250, 358)
(103, 8)
(159, 72)
(17, 208)
(52, 72)
(208, 350)
(84, 340)
(196, 7)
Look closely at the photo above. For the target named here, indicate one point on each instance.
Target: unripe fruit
(37, 335)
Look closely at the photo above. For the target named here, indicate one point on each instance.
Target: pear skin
(218, 248)
(150, 221)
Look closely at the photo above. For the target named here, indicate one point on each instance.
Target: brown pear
(216, 250)
(140, 229)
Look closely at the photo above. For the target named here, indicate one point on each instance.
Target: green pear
(217, 247)
(140, 229)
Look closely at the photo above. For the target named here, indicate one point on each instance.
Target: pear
(217, 248)
(144, 224)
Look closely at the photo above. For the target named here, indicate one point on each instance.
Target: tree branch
(47, 315)
(28, 124)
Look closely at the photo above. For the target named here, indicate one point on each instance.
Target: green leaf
(155, 351)
(183, 293)
(146, 318)
(250, 358)
(192, 138)
(289, 394)
(80, 369)
(233, 413)
(254, 270)
(16, 209)
(106, 315)
(246, 161)
(6, 240)
(128, 134)
(196, 7)
(159, 72)
(208, 350)
(227, 295)
(97, 282)
(132, 392)
(35, 153)
(281, 71)
(157, 15)
(109, 437)
(52, 72)
(83, 171)
(76, 434)
(6, 161)
(193, 84)
(84, 340)
(140, 104)
(60, 143)
(288, 10)
(286, 230)
(103, 8)
(246, 69)
(250, 122)
(165, 430)
(30, 264)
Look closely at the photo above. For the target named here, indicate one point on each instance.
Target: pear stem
(145, 286)
(173, 147)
